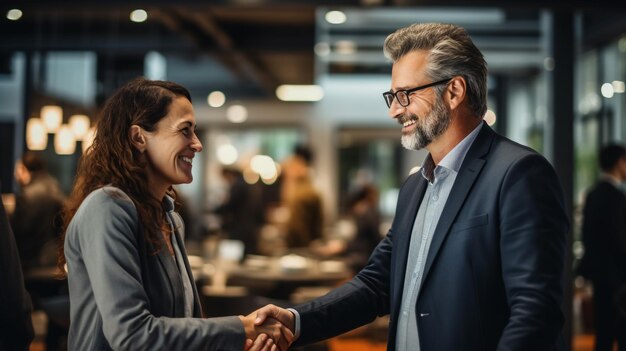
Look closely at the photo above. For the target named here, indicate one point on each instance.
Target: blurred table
(273, 277)
(279, 277)
(291, 268)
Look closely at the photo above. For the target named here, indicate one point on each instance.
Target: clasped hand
(269, 328)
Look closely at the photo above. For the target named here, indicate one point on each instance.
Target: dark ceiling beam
(602, 28)
(526, 4)
(246, 63)
(175, 22)
(208, 37)
(128, 45)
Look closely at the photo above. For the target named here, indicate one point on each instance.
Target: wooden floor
(581, 343)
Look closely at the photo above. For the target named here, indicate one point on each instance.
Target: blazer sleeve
(533, 227)
(351, 305)
(109, 250)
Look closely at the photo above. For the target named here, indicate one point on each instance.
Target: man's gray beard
(429, 128)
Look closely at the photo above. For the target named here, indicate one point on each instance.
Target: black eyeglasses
(403, 95)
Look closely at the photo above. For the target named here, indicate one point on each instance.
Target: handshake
(269, 328)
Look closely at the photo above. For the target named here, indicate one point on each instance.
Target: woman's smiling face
(170, 149)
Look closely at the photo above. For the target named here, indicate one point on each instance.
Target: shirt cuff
(296, 333)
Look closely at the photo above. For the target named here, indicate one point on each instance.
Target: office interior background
(266, 75)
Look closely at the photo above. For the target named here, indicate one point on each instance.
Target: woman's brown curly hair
(112, 158)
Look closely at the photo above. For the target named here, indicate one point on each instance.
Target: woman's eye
(186, 131)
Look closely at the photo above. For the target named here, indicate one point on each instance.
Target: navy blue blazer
(494, 272)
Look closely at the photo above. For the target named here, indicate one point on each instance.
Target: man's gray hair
(451, 52)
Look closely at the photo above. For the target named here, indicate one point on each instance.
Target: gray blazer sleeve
(103, 233)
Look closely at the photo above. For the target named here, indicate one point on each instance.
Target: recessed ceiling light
(139, 15)
(607, 90)
(216, 99)
(14, 14)
(335, 17)
(237, 113)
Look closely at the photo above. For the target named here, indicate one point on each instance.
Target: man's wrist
(296, 324)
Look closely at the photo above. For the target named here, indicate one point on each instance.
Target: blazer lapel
(471, 167)
(402, 238)
(197, 310)
(173, 276)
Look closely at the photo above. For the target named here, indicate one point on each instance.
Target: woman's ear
(137, 137)
(456, 92)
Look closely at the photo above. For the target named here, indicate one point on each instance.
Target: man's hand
(280, 314)
(281, 333)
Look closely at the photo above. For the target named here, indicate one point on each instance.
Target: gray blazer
(123, 296)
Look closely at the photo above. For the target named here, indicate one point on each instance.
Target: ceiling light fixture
(52, 117)
(64, 141)
(335, 17)
(288, 92)
(607, 90)
(79, 124)
(138, 16)
(237, 114)
(216, 99)
(14, 14)
(36, 134)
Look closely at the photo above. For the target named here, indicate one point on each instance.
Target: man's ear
(137, 137)
(456, 92)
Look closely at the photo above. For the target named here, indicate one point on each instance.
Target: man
(16, 328)
(604, 236)
(36, 219)
(240, 213)
(474, 259)
(302, 201)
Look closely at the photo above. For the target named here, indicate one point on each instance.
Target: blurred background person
(240, 212)
(604, 237)
(36, 218)
(36, 222)
(302, 201)
(16, 328)
(364, 216)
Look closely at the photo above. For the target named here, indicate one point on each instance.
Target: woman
(129, 278)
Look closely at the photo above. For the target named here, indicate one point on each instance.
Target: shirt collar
(453, 159)
(610, 178)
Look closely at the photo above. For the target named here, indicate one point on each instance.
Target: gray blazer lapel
(470, 169)
(170, 268)
(197, 310)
